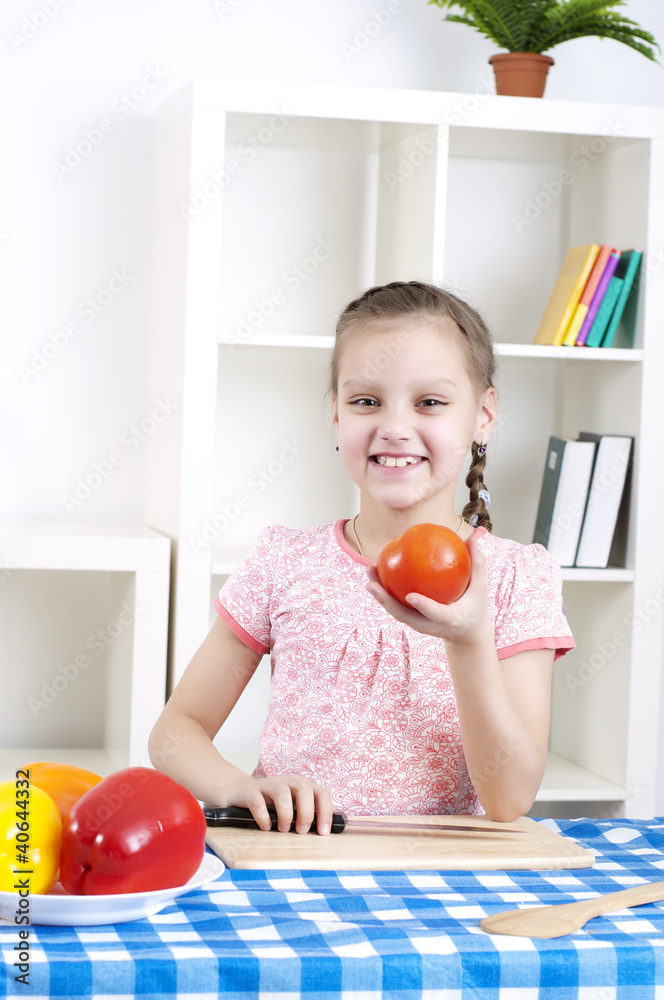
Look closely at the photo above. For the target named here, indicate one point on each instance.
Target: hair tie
(483, 495)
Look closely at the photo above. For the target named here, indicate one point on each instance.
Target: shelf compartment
(99, 682)
(591, 684)
(565, 781)
(556, 191)
(268, 458)
(313, 246)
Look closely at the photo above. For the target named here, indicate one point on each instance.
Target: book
(563, 496)
(587, 295)
(579, 316)
(598, 297)
(567, 291)
(627, 269)
(607, 498)
(603, 316)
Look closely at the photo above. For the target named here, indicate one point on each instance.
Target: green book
(603, 316)
(628, 266)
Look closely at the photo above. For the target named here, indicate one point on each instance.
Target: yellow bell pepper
(30, 838)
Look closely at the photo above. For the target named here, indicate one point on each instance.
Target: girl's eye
(430, 403)
(363, 401)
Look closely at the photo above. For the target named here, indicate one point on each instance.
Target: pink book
(596, 302)
(598, 270)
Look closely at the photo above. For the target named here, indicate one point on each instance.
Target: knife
(238, 816)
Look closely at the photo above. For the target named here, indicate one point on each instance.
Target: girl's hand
(287, 793)
(461, 622)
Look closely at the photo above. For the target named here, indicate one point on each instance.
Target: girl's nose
(394, 435)
(395, 428)
(395, 422)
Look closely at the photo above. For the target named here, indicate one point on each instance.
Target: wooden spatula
(564, 918)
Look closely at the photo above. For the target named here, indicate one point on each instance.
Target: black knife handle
(239, 816)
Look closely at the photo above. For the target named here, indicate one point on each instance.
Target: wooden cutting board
(534, 846)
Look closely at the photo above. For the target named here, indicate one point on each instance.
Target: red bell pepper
(136, 831)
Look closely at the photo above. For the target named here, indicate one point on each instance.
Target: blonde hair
(417, 299)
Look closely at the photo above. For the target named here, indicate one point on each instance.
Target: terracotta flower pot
(521, 74)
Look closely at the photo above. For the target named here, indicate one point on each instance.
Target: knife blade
(239, 816)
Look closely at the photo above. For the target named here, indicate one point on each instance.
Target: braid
(476, 506)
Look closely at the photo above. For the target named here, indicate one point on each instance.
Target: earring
(481, 449)
(337, 448)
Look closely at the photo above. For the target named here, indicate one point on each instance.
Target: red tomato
(427, 559)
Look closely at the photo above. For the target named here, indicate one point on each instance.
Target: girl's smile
(396, 461)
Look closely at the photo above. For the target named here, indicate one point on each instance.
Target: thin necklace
(357, 540)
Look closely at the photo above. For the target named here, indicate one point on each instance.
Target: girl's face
(407, 411)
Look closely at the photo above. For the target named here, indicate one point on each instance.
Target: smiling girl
(376, 707)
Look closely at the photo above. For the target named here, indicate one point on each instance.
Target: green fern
(539, 25)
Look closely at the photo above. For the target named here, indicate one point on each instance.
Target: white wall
(73, 381)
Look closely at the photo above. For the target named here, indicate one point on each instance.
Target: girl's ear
(487, 416)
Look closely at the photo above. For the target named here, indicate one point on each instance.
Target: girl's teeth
(392, 462)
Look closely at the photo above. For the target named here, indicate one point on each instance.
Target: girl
(377, 707)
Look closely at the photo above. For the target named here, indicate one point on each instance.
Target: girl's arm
(504, 710)
(504, 705)
(181, 741)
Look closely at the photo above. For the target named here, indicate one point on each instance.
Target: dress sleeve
(244, 600)
(529, 612)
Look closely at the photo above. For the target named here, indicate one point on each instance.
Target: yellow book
(576, 324)
(566, 294)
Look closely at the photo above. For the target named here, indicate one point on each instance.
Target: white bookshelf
(296, 199)
(88, 691)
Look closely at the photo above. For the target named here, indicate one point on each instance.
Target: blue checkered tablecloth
(285, 935)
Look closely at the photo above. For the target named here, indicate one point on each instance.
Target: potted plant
(529, 28)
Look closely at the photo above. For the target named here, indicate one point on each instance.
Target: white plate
(64, 910)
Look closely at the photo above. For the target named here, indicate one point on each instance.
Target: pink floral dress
(361, 703)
